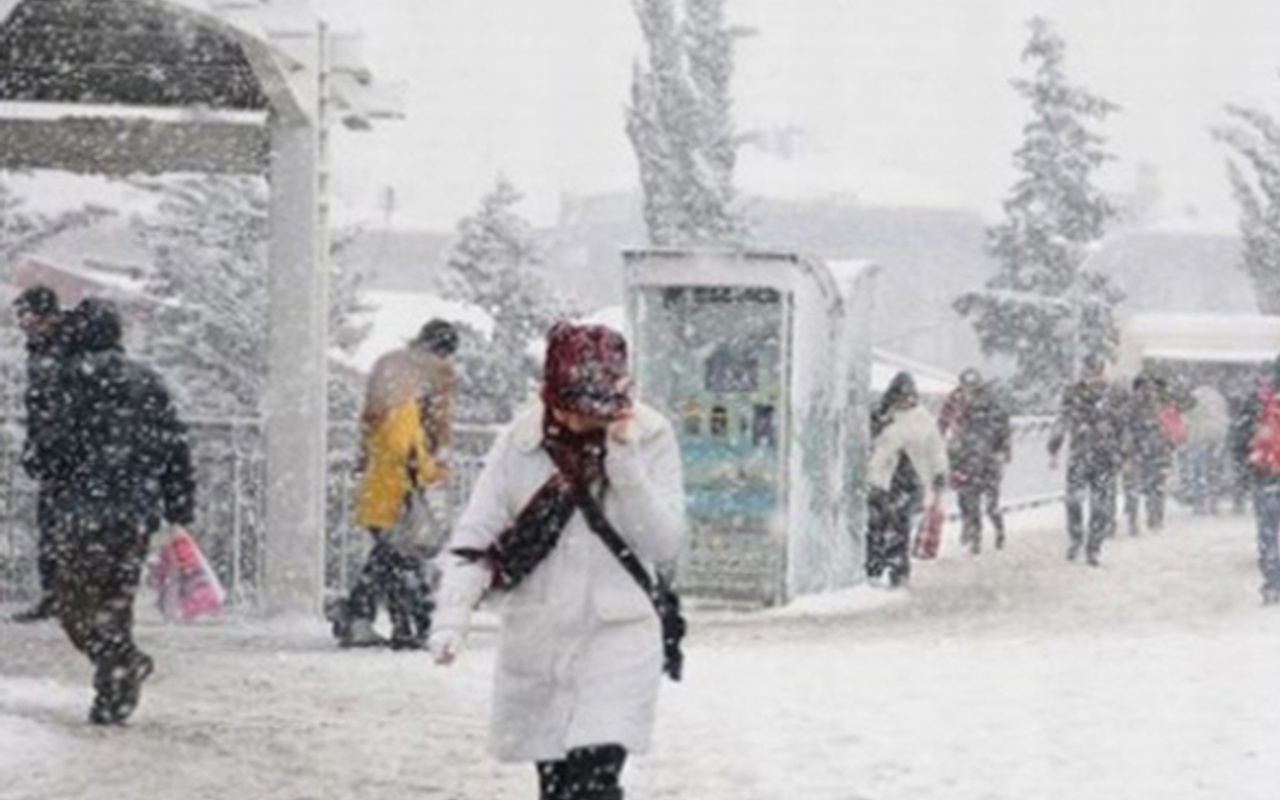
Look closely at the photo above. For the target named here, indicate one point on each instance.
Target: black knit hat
(39, 300)
(439, 336)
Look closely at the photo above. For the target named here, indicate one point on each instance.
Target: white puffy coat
(913, 431)
(580, 651)
(1209, 419)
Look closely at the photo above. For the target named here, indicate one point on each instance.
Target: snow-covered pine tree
(681, 126)
(1041, 308)
(495, 265)
(207, 243)
(22, 231)
(346, 385)
(1254, 171)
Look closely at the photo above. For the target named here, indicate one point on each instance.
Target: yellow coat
(398, 462)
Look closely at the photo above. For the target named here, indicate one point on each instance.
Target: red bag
(187, 587)
(929, 534)
(1264, 449)
(1173, 426)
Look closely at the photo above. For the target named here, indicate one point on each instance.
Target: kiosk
(762, 360)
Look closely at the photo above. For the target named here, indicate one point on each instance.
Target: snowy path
(1015, 675)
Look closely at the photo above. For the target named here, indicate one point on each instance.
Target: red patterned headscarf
(586, 371)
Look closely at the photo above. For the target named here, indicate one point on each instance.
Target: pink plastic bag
(186, 584)
(929, 534)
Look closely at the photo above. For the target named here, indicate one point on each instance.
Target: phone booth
(762, 360)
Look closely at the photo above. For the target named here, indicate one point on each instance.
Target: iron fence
(230, 524)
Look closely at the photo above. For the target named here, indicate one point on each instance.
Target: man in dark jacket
(1150, 455)
(978, 433)
(1092, 418)
(40, 317)
(1261, 421)
(117, 444)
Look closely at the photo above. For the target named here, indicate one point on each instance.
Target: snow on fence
(230, 464)
(231, 513)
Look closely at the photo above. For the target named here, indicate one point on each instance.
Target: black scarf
(520, 548)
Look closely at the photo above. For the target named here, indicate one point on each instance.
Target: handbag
(929, 535)
(660, 592)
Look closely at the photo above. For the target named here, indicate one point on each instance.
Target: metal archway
(119, 87)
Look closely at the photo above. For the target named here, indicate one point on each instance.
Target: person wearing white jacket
(1208, 422)
(908, 454)
(580, 652)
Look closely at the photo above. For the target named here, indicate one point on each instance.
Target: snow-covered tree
(680, 123)
(1254, 169)
(207, 242)
(209, 272)
(495, 265)
(1042, 308)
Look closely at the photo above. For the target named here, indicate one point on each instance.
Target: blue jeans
(1266, 504)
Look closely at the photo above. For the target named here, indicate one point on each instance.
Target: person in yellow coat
(406, 434)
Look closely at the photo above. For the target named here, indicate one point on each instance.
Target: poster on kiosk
(762, 362)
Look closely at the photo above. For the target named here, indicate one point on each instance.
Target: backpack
(1264, 448)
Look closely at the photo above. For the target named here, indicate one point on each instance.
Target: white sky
(902, 102)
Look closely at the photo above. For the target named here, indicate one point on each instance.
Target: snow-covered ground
(1014, 675)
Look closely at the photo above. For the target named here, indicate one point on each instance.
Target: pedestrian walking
(406, 434)
(1264, 461)
(978, 434)
(40, 318)
(1152, 435)
(1242, 403)
(1208, 423)
(907, 471)
(117, 446)
(581, 649)
(1092, 422)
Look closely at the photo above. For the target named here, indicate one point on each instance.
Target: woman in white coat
(908, 459)
(580, 650)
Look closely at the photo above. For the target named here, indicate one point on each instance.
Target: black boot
(46, 608)
(136, 670)
(118, 687)
(338, 612)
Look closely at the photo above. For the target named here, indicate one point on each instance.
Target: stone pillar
(295, 406)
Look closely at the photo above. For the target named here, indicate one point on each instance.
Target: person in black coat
(1093, 422)
(40, 317)
(979, 437)
(1150, 453)
(116, 443)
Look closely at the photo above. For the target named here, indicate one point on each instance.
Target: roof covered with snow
(1223, 338)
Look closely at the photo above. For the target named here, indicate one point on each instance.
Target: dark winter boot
(46, 608)
(105, 696)
(338, 612)
(1270, 595)
(136, 670)
(1073, 551)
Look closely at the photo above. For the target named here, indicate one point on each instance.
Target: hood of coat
(526, 429)
(93, 326)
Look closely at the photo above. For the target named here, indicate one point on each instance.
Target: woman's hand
(444, 646)
(619, 429)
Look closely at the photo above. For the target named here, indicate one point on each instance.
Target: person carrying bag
(581, 649)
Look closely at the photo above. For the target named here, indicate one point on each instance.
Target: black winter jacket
(115, 438)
